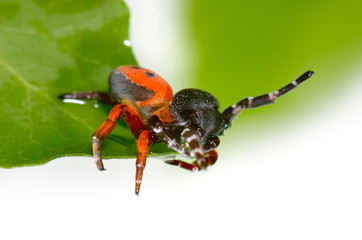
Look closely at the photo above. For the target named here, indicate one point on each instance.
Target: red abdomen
(143, 87)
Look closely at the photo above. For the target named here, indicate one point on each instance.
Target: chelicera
(189, 122)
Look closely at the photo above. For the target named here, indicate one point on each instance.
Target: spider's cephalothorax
(198, 111)
(189, 122)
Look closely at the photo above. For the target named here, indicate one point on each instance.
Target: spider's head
(199, 111)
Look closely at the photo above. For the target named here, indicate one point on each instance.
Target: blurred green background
(247, 48)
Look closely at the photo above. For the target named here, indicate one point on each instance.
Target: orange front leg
(142, 144)
(133, 120)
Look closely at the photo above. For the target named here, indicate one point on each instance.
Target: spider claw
(308, 74)
(193, 167)
(99, 164)
(64, 96)
(138, 187)
(169, 162)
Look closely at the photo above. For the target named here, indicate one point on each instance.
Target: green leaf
(52, 47)
(247, 48)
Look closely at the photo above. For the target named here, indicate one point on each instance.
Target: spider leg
(99, 96)
(158, 127)
(209, 159)
(196, 151)
(142, 145)
(230, 113)
(131, 117)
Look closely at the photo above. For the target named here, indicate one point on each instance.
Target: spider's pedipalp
(193, 141)
(157, 127)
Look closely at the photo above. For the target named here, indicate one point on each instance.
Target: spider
(189, 122)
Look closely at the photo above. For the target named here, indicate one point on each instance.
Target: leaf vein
(30, 86)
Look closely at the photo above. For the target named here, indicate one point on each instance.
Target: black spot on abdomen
(149, 74)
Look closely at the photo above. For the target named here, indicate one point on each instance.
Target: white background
(299, 183)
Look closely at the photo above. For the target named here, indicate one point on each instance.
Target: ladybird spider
(189, 122)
